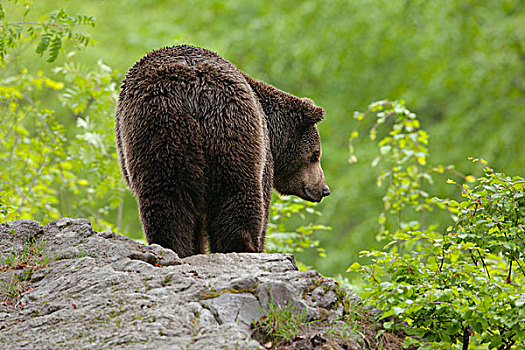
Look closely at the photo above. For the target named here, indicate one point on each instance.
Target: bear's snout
(326, 191)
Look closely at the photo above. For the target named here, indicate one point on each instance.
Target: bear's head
(298, 170)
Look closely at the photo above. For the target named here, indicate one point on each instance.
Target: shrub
(41, 168)
(460, 285)
(282, 236)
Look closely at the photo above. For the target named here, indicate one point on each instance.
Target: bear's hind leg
(170, 222)
(234, 225)
(199, 236)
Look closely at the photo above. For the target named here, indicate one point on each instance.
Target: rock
(102, 290)
(283, 295)
(241, 309)
(16, 233)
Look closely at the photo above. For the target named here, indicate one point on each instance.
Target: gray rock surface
(105, 291)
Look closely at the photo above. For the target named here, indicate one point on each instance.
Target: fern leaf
(43, 44)
(54, 48)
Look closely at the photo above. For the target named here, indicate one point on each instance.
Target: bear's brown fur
(201, 145)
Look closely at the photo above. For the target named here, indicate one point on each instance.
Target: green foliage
(492, 217)
(11, 290)
(32, 155)
(281, 239)
(31, 258)
(49, 32)
(405, 149)
(454, 286)
(33, 255)
(281, 323)
(40, 168)
(91, 96)
(343, 330)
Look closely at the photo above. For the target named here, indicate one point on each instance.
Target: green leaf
(354, 267)
(54, 48)
(398, 310)
(373, 134)
(388, 325)
(402, 236)
(412, 171)
(43, 44)
(385, 149)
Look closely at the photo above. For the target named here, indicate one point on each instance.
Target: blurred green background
(460, 65)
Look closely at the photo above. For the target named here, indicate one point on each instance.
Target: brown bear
(201, 145)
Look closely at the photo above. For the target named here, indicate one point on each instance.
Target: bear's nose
(326, 191)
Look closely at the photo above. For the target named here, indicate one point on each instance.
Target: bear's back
(190, 96)
(157, 63)
(192, 76)
(181, 54)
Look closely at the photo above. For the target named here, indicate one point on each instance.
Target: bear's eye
(315, 157)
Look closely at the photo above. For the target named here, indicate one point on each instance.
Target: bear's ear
(313, 115)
